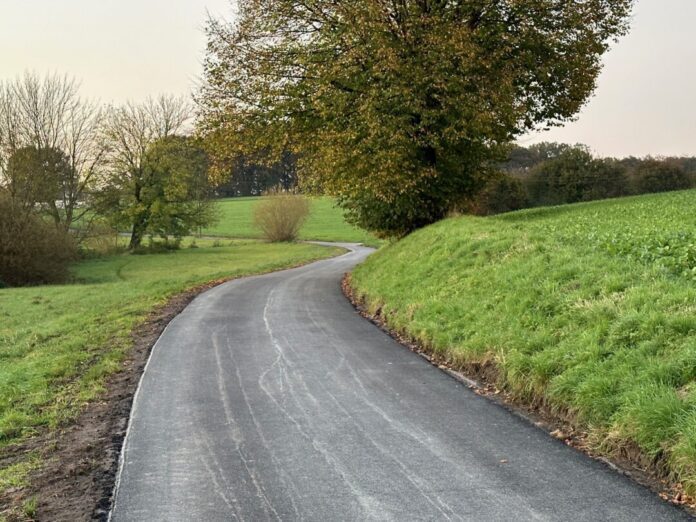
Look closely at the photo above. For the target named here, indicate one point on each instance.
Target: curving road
(270, 398)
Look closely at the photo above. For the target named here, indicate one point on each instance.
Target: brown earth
(76, 479)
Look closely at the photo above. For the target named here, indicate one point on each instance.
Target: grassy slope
(58, 342)
(590, 308)
(325, 222)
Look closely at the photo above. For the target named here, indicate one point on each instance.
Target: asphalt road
(270, 398)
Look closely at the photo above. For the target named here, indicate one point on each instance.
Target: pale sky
(118, 49)
(128, 49)
(645, 102)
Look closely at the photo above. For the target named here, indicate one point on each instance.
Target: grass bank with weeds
(59, 343)
(588, 309)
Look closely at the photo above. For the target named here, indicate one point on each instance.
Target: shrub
(281, 215)
(501, 193)
(660, 176)
(32, 251)
(573, 176)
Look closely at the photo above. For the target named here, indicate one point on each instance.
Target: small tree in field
(281, 215)
(157, 180)
(167, 198)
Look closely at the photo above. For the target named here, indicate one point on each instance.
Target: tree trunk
(137, 232)
(139, 223)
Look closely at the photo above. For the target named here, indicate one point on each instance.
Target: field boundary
(481, 379)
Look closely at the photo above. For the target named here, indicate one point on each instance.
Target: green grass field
(325, 222)
(589, 309)
(57, 343)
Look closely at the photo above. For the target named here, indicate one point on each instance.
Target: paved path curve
(269, 398)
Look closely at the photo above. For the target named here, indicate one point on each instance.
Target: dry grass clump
(280, 215)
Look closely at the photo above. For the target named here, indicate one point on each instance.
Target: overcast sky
(128, 49)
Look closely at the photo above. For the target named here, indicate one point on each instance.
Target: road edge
(76, 480)
(542, 418)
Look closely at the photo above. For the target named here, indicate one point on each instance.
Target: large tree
(397, 107)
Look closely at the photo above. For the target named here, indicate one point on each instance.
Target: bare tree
(44, 118)
(128, 132)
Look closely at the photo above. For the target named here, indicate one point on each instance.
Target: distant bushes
(32, 251)
(555, 174)
(660, 176)
(502, 193)
(281, 215)
(573, 176)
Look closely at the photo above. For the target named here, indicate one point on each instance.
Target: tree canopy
(573, 175)
(157, 179)
(167, 196)
(51, 153)
(398, 107)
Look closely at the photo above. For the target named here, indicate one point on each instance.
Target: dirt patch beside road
(76, 480)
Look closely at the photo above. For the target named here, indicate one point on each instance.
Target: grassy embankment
(58, 343)
(325, 223)
(589, 309)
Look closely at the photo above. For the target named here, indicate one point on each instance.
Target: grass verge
(59, 344)
(588, 311)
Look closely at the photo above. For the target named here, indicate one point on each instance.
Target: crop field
(588, 309)
(325, 222)
(59, 342)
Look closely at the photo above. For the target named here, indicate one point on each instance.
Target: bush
(574, 176)
(281, 215)
(660, 176)
(32, 251)
(501, 193)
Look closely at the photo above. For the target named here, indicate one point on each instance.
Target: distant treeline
(248, 178)
(556, 174)
(539, 175)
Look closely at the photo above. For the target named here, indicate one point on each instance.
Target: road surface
(270, 398)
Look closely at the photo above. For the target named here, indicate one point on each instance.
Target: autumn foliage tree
(397, 108)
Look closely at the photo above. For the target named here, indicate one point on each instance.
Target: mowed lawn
(589, 309)
(57, 343)
(325, 222)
